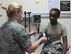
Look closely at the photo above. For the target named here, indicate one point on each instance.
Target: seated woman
(54, 31)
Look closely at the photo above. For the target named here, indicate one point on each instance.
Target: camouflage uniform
(13, 38)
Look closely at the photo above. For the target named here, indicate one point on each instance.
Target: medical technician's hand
(33, 32)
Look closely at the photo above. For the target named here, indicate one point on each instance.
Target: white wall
(3, 19)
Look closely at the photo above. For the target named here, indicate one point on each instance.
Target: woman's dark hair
(56, 10)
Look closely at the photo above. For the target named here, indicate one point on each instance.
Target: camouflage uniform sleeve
(22, 37)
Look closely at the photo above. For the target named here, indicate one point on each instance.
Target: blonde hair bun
(11, 7)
